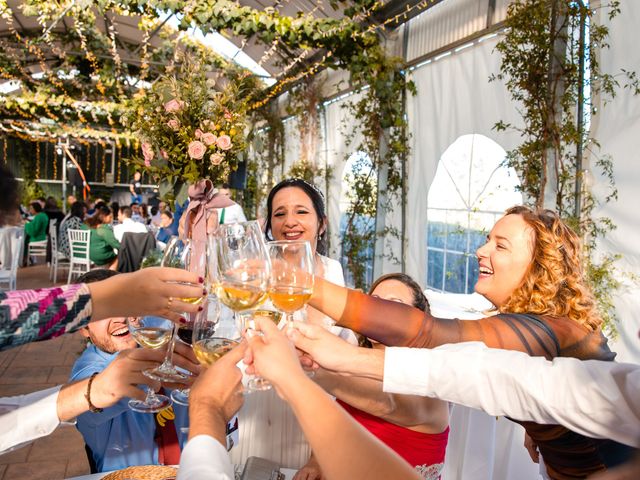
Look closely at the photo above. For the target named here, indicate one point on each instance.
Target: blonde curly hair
(554, 283)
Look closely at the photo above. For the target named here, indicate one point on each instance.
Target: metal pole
(64, 174)
(580, 126)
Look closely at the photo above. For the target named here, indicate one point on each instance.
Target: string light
(38, 160)
(4, 149)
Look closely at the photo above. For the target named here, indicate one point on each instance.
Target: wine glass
(213, 337)
(190, 255)
(257, 383)
(150, 332)
(242, 265)
(291, 283)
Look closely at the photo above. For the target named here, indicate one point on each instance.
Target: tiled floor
(33, 367)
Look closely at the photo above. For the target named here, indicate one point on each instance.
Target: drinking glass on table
(150, 332)
(189, 255)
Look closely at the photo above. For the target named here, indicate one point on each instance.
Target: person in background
(42, 201)
(73, 221)
(135, 213)
(125, 224)
(165, 231)
(71, 199)
(119, 437)
(144, 213)
(36, 229)
(155, 217)
(10, 199)
(115, 208)
(135, 188)
(53, 211)
(415, 427)
(103, 244)
(232, 214)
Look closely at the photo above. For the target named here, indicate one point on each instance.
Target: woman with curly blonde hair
(530, 270)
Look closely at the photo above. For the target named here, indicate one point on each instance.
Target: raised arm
(397, 324)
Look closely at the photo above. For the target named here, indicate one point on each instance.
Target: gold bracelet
(92, 407)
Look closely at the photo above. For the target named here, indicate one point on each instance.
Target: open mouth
(485, 271)
(121, 332)
(292, 235)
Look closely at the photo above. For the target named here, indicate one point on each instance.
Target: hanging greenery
(544, 59)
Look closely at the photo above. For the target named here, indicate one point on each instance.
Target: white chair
(37, 249)
(79, 262)
(9, 276)
(58, 259)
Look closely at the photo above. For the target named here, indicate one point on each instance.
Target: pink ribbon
(203, 200)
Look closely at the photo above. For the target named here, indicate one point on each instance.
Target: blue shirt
(119, 437)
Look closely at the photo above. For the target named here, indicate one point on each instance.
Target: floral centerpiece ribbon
(201, 216)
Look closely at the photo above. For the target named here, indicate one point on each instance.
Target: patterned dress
(32, 315)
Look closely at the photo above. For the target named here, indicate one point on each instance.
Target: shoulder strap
(547, 329)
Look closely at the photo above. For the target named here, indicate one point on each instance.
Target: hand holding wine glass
(150, 332)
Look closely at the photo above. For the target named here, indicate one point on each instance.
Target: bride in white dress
(267, 426)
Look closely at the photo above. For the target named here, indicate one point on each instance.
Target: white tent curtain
(616, 127)
(336, 151)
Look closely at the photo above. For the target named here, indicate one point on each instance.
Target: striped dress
(32, 315)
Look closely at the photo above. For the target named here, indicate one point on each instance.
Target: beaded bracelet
(92, 407)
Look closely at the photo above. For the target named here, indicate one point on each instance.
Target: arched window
(472, 188)
(359, 164)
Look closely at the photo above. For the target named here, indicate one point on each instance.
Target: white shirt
(232, 214)
(203, 457)
(26, 417)
(597, 399)
(128, 225)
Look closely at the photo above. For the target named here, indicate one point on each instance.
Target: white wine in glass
(150, 332)
(239, 296)
(209, 350)
(291, 282)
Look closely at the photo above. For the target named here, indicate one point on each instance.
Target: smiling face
(294, 217)
(504, 259)
(110, 335)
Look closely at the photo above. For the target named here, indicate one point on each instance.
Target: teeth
(292, 234)
(120, 332)
(486, 270)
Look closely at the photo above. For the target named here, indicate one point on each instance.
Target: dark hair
(98, 217)
(10, 198)
(36, 206)
(224, 185)
(51, 204)
(154, 210)
(167, 213)
(115, 206)
(96, 275)
(419, 299)
(317, 199)
(133, 203)
(144, 212)
(77, 210)
(126, 211)
(100, 204)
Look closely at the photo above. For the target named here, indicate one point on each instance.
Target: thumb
(235, 355)
(301, 336)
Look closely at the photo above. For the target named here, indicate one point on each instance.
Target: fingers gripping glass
(257, 383)
(150, 332)
(189, 255)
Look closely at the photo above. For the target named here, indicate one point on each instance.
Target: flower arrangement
(189, 130)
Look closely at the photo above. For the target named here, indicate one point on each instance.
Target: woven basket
(143, 472)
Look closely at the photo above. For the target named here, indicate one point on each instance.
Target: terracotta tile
(24, 375)
(10, 390)
(36, 470)
(78, 465)
(64, 443)
(49, 346)
(17, 456)
(39, 358)
(3, 468)
(59, 375)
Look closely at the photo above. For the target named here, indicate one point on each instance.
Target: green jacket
(102, 242)
(37, 228)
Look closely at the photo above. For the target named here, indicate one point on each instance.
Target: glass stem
(167, 364)
(151, 396)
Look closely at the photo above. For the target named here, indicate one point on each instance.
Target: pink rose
(224, 142)
(164, 154)
(196, 150)
(174, 124)
(227, 115)
(216, 158)
(208, 138)
(173, 105)
(198, 133)
(147, 153)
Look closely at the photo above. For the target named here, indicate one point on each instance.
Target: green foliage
(541, 58)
